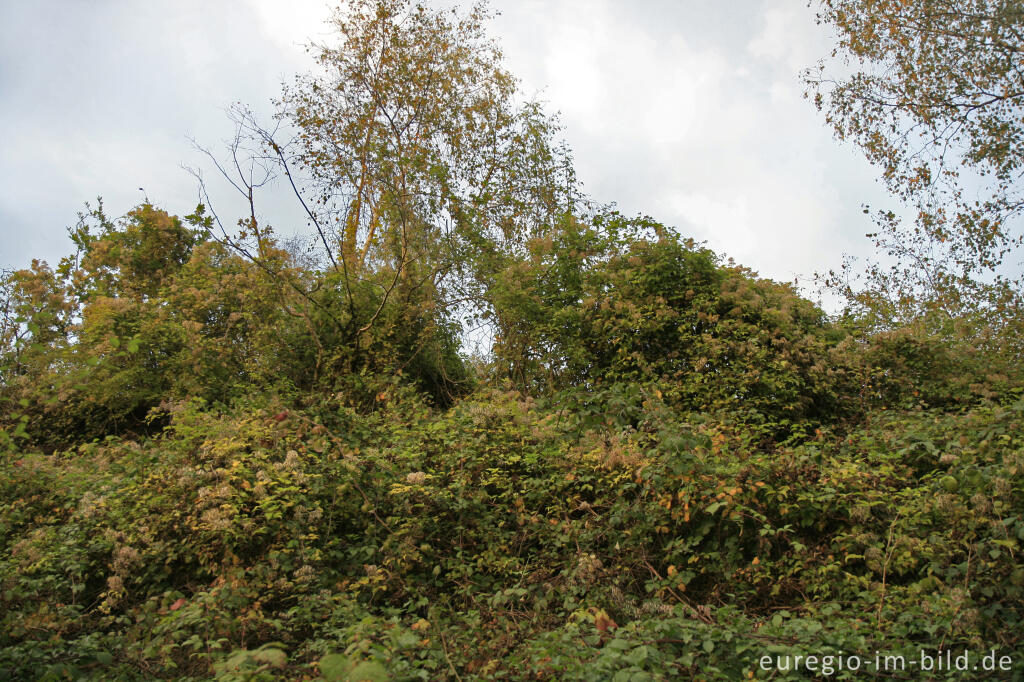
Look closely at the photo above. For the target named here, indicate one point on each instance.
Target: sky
(689, 111)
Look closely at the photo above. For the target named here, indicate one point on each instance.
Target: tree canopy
(932, 92)
(425, 160)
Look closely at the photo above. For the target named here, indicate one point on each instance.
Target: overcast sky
(690, 111)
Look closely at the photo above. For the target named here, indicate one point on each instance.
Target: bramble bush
(221, 458)
(493, 540)
(683, 468)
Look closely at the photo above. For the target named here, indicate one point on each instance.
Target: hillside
(227, 455)
(717, 474)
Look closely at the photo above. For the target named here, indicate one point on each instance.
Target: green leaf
(271, 656)
(335, 667)
(369, 671)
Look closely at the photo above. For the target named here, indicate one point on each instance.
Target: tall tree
(425, 161)
(423, 170)
(932, 92)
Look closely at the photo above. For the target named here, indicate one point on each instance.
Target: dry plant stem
(444, 645)
(703, 617)
(889, 550)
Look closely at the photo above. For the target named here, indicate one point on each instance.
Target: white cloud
(713, 136)
(788, 36)
(290, 26)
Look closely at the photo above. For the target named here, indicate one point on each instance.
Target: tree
(425, 163)
(419, 165)
(933, 95)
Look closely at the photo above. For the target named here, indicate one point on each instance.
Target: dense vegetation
(223, 458)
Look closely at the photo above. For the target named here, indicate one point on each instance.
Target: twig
(451, 665)
(696, 612)
(889, 549)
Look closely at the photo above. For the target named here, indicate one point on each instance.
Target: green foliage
(149, 311)
(224, 463)
(627, 311)
(491, 540)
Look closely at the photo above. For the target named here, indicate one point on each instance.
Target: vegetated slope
(215, 467)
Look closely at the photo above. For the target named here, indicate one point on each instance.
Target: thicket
(220, 458)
